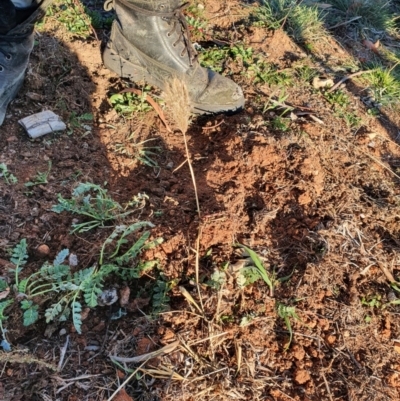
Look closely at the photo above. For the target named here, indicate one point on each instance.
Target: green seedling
(141, 152)
(256, 270)
(129, 103)
(40, 178)
(8, 177)
(337, 98)
(372, 301)
(305, 73)
(214, 58)
(264, 72)
(286, 313)
(94, 204)
(70, 290)
(217, 279)
(245, 55)
(251, 274)
(280, 124)
(160, 298)
(73, 16)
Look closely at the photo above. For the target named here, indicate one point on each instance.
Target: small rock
(43, 250)
(73, 260)
(169, 165)
(108, 297)
(62, 332)
(322, 82)
(12, 139)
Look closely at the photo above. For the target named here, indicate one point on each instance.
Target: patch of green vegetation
(341, 106)
(286, 313)
(281, 124)
(264, 72)
(214, 58)
(305, 73)
(372, 301)
(138, 150)
(240, 52)
(256, 270)
(305, 24)
(376, 14)
(130, 103)
(302, 22)
(160, 298)
(70, 291)
(98, 20)
(9, 178)
(73, 16)
(338, 99)
(384, 85)
(41, 178)
(93, 203)
(273, 13)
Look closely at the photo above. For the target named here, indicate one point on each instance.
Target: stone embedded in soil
(43, 250)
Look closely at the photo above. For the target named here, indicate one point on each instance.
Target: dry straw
(177, 99)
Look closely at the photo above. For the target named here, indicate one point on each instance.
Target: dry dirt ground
(316, 198)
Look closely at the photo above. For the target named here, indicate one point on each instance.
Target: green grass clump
(273, 14)
(302, 22)
(384, 85)
(375, 14)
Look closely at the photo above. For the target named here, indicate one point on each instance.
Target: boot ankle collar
(174, 16)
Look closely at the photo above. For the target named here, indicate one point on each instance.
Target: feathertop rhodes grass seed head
(176, 97)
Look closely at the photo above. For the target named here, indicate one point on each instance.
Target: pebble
(43, 250)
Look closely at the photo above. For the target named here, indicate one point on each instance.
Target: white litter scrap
(43, 123)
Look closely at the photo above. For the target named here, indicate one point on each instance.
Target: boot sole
(134, 70)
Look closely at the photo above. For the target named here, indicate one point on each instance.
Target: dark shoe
(150, 42)
(16, 43)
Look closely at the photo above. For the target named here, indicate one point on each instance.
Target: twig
(150, 100)
(381, 164)
(162, 351)
(327, 387)
(62, 355)
(344, 23)
(346, 78)
(126, 381)
(213, 126)
(192, 173)
(181, 165)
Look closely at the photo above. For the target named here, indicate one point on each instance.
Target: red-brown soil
(317, 202)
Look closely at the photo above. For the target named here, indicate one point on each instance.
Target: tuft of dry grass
(176, 97)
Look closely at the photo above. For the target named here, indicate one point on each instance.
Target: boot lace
(175, 18)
